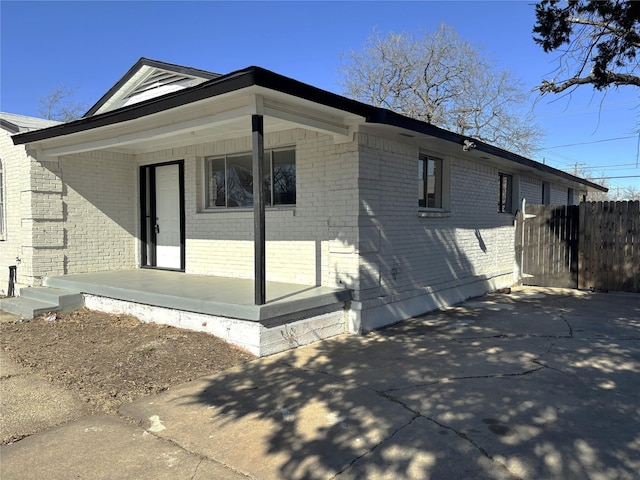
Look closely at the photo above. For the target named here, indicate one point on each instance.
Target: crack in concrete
(568, 325)
(195, 472)
(470, 377)
(386, 394)
(514, 336)
(417, 414)
(372, 449)
(178, 445)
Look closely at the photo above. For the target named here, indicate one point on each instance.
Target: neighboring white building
(399, 211)
(18, 221)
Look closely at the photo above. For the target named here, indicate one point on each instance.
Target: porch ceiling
(215, 118)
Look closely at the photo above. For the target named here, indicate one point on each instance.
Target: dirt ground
(114, 359)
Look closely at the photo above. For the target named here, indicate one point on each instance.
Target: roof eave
(228, 83)
(9, 126)
(388, 117)
(257, 76)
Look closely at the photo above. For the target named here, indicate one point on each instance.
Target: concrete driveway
(536, 384)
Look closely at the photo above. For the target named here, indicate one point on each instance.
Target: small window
(546, 193)
(229, 179)
(429, 182)
(570, 196)
(2, 204)
(506, 193)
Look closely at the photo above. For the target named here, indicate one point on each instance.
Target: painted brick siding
(531, 190)
(100, 205)
(15, 165)
(35, 235)
(423, 255)
(559, 195)
(311, 243)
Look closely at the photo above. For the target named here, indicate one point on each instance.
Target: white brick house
(357, 197)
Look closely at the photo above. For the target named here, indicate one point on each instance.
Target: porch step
(62, 298)
(25, 307)
(35, 301)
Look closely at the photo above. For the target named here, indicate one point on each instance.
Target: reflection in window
(230, 179)
(506, 193)
(429, 182)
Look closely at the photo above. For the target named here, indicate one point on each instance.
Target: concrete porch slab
(293, 315)
(222, 296)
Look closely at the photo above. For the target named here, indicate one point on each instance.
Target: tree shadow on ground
(533, 385)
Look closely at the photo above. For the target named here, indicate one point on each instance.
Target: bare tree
(631, 193)
(598, 41)
(59, 104)
(446, 81)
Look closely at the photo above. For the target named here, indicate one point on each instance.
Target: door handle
(157, 228)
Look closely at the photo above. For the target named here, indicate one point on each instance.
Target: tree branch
(618, 32)
(612, 77)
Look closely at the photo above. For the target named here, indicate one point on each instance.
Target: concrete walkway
(537, 384)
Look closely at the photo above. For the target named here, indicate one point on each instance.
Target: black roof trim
(265, 78)
(388, 117)
(150, 63)
(211, 88)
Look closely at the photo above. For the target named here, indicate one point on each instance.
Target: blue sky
(89, 45)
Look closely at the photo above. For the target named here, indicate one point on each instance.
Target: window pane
(215, 183)
(230, 180)
(239, 181)
(266, 178)
(434, 180)
(421, 193)
(506, 190)
(284, 177)
(429, 182)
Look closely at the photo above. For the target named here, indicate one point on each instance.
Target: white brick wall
(100, 204)
(304, 243)
(67, 215)
(531, 190)
(409, 256)
(15, 165)
(559, 195)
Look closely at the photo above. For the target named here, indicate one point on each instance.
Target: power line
(587, 167)
(625, 176)
(589, 143)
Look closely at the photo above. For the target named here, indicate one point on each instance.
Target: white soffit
(223, 116)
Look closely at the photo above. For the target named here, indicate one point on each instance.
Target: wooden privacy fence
(593, 245)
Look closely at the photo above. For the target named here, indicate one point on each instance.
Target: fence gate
(547, 245)
(593, 245)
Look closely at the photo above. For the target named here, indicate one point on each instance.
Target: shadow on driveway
(538, 384)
